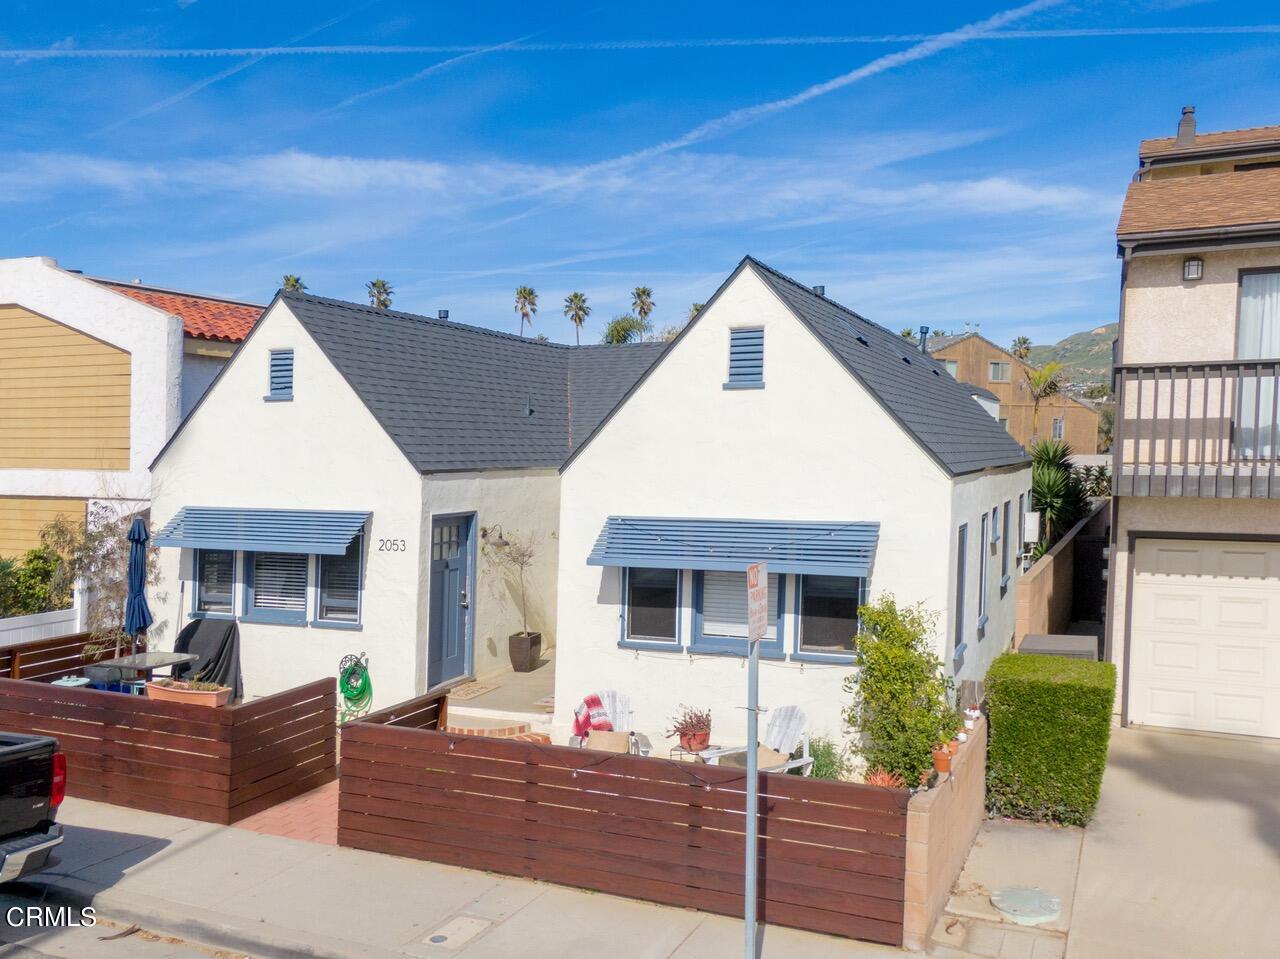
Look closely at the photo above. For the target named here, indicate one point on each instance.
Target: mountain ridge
(1085, 356)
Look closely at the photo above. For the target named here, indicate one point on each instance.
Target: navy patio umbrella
(137, 614)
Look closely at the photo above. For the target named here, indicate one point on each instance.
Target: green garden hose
(355, 685)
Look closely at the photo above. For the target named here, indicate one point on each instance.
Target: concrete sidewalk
(275, 897)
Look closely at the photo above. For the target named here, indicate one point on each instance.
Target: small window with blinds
(746, 359)
(340, 585)
(277, 587)
(722, 612)
(280, 376)
(215, 581)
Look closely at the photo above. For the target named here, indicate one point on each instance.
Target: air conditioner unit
(1031, 527)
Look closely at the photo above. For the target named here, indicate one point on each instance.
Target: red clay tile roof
(203, 317)
(1201, 202)
(1224, 138)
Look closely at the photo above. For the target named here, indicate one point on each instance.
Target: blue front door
(449, 602)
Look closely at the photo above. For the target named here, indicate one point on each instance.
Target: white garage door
(1206, 636)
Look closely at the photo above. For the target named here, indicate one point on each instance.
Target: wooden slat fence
(47, 658)
(216, 765)
(832, 854)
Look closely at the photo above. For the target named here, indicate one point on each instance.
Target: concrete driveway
(1183, 858)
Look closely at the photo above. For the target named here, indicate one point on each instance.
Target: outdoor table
(711, 755)
(144, 664)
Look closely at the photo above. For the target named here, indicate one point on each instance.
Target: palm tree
(293, 283)
(642, 303)
(380, 293)
(694, 310)
(576, 309)
(526, 306)
(1042, 384)
(1021, 348)
(623, 329)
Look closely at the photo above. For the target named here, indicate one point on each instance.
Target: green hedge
(1050, 725)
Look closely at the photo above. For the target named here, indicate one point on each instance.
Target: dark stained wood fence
(217, 765)
(47, 658)
(832, 854)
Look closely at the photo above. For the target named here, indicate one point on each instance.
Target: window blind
(216, 580)
(280, 581)
(340, 585)
(724, 604)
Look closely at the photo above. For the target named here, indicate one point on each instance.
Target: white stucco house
(342, 485)
(95, 376)
(780, 426)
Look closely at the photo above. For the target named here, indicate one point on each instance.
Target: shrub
(830, 759)
(1050, 725)
(33, 585)
(900, 707)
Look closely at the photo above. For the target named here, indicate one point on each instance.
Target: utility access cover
(1027, 905)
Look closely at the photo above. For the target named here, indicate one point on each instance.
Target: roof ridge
(814, 293)
(1209, 133)
(129, 285)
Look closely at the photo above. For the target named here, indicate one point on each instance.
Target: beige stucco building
(1194, 607)
(975, 360)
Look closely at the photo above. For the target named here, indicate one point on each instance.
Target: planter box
(182, 693)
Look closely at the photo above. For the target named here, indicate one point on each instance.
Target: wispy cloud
(422, 74)
(519, 46)
(222, 75)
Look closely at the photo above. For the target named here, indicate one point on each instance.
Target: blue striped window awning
(327, 532)
(819, 548)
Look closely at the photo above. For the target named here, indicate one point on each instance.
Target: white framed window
(215, 581)
(982, 574)
(998, 371)
(962, 561)
(339, 584)
(1004, 549)
(952, 367)
(1059, 427)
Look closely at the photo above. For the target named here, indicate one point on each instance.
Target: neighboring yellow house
(975, 360)
(1194, 611)
(95, 376)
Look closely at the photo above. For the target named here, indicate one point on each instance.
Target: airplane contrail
(178, 53)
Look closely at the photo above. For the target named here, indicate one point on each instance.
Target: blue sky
(923, 172)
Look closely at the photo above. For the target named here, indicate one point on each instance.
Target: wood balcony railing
(1207, 429)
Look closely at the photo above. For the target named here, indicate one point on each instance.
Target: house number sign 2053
(392, 546)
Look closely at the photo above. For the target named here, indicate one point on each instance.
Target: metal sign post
(757, 623)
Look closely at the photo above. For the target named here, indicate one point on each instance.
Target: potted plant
(693, 726)
(194, 693)
(941, 758)
(515, 557)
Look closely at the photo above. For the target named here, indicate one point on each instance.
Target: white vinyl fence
(25, 629)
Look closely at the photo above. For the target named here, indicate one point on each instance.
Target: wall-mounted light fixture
(493, 536)
(1192, 268)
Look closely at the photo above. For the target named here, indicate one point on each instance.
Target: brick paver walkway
(312, 816)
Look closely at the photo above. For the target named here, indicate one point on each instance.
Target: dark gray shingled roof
(912, 388)
(456, 397)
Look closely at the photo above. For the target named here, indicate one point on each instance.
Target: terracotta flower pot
(942, 759)
(524, 650)
(182, 693)
(953, 747)
(695, 742)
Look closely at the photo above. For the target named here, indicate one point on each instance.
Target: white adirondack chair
(787, 731)
(617, 706)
